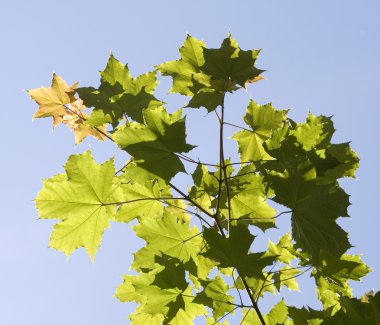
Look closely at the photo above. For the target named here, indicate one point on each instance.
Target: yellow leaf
(52, 100)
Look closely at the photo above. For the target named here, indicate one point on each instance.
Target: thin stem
(220, 318)
(249, 162)
(291, 268)
(125, 166)
(233, 277)
(265, 280)
(246, 314)
(292, 277)
(191, 160)
(237, 126)
(222, 301)
(223, 166)
(258, 218)
(142, 199)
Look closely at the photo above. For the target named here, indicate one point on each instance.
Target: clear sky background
(320, 55)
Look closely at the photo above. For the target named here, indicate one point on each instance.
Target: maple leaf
(167, 235)
(230, 63)
(145, 201)
(52, 100)
(119, 94)
(262, 120)
(248, 201)
(233, 251)
(164, 294)
(83, 199)
(215, 295)
(154, 144)
(206, 74)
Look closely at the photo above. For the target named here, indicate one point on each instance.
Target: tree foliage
(198, 260)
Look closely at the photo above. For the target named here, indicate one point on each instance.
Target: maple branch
(258, 218)
(222, 169)
(223, 166)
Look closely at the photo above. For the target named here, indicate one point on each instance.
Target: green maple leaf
(206, 74)
(154, 144)
(249, 203)
(263, 120)
(168, 236)
(359, 312)
(294, 179)
(332, 276)
(171, 295)
(145, 201)
(132, 285)
(163, 294)
(205, 187)
(347, 267)
(301, 316)
(215, 295)
(119, 94)
(230, 63)
(183, 70)
(313, 220)
(335, 162)
(233, 251)
(84, 199)
(308, 134)
(286, 277)
(282, 250)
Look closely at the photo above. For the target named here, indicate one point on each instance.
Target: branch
(223, 166)
(191, 160)
(223, 169)
(258, 218)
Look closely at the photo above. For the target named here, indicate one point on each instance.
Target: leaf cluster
(198, 259)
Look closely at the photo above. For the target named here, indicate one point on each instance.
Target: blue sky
(320, 55)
